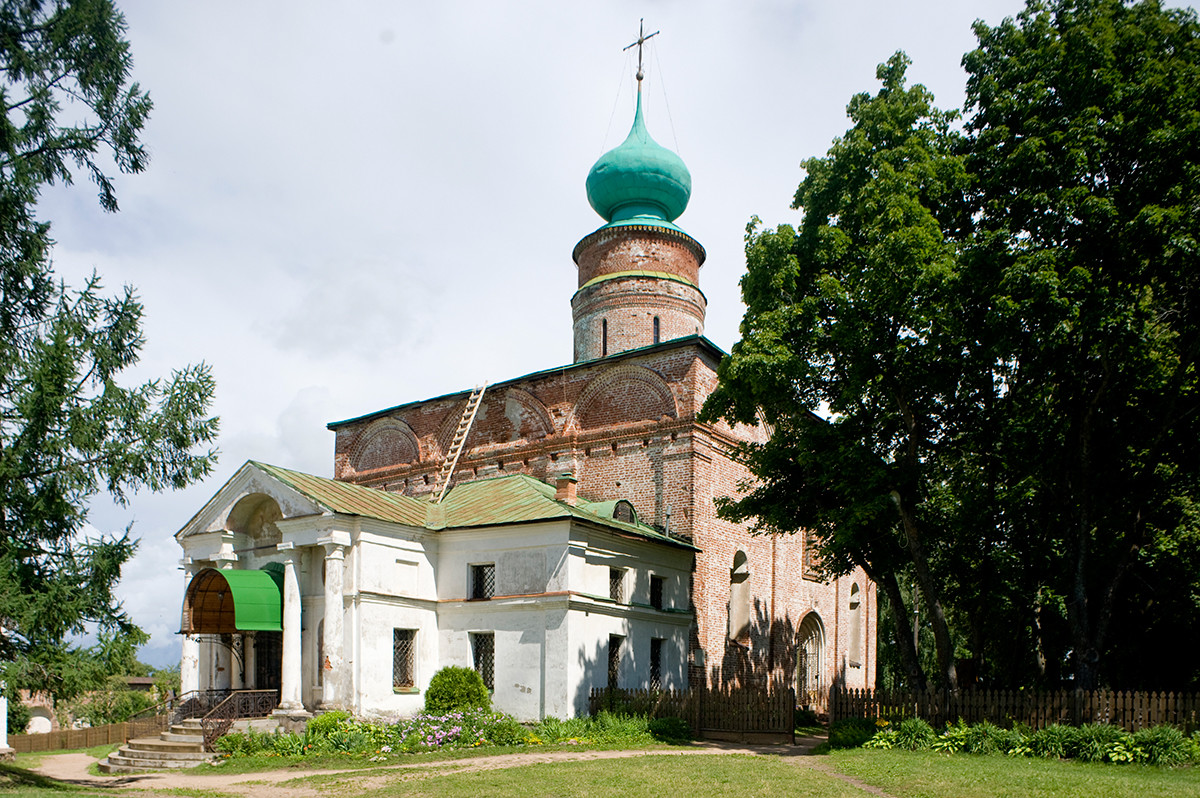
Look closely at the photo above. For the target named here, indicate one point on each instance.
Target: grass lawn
(928, 775)
(900, 773)
(640, 777)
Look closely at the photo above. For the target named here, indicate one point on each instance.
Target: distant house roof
(512, 499)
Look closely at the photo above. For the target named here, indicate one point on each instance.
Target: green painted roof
(639, 178)
(512, 499)
(257, 600)
(350, 499)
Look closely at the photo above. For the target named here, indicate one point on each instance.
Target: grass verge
(924, 774)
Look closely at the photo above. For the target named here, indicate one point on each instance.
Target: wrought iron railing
(196, 704)
(238, 704)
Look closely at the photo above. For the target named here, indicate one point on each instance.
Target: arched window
(739, 599)
(856, 613)
(810, 664)
(656, 329)
(603, 337)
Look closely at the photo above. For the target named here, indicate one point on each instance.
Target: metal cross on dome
(640, 41)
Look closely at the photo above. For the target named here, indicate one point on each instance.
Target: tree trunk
(904, 642)
(947, 675)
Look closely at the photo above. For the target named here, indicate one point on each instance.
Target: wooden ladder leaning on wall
(442, 484)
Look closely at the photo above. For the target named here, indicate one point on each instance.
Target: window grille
(656, 663)
(656, 592)
(616, 585)
(404, 657)
(483, 581)
(614, 659)
(483, 650)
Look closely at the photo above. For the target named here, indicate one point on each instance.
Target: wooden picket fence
(67, 739)
(1033, 708)
(762, 713)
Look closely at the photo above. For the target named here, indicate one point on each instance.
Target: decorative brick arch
(623, 394)
(384, 443)
(528, 416)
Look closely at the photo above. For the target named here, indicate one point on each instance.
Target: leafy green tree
(68, 428)
(849, 356)
(1085, 149)
(978, 353)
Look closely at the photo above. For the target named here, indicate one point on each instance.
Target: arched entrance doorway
(810, 664)
(241, 614)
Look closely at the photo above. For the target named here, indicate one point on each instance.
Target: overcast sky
(353, 206)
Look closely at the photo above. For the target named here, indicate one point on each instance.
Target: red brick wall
(629, 303)
(626, 427)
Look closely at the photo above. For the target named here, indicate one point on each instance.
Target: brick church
(622, 419)
(616, 435)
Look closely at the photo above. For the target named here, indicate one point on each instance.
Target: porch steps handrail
(238, 704)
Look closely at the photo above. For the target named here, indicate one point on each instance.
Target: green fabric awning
(257, 601)
(225, 601)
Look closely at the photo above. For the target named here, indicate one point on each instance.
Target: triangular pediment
(251, 480)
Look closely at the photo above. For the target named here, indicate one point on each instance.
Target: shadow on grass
(12, 777)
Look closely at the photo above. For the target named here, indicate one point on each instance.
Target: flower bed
(381, 740)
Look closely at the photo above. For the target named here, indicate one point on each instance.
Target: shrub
(804, 717)
(1162, 745)
(914, 734)
(323, 724)
(287, 744)
(884, 740)
(456, 689)
(675, 731)
(244, 744)
(1055, 741)
(851, 732)
(1102, 742)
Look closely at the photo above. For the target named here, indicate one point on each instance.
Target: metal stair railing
(238, 704)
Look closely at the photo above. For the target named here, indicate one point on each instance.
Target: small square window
(656, 592)
(404, 657)
(616, 585)
(483, 581)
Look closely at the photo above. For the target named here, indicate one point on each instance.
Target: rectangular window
(656, 663)
(616, 585)
(656, 592)
(483, 581)
(404, 658)
(483, 653)
(614, 659)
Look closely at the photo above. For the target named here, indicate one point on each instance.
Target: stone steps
(182, 746)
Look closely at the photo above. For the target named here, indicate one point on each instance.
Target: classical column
(189, 659)
(334, 673)
(249, 654)
(222, 664)
(290, 700)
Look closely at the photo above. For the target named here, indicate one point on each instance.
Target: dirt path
(72, 768)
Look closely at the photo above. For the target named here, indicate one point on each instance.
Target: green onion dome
(640, 178)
